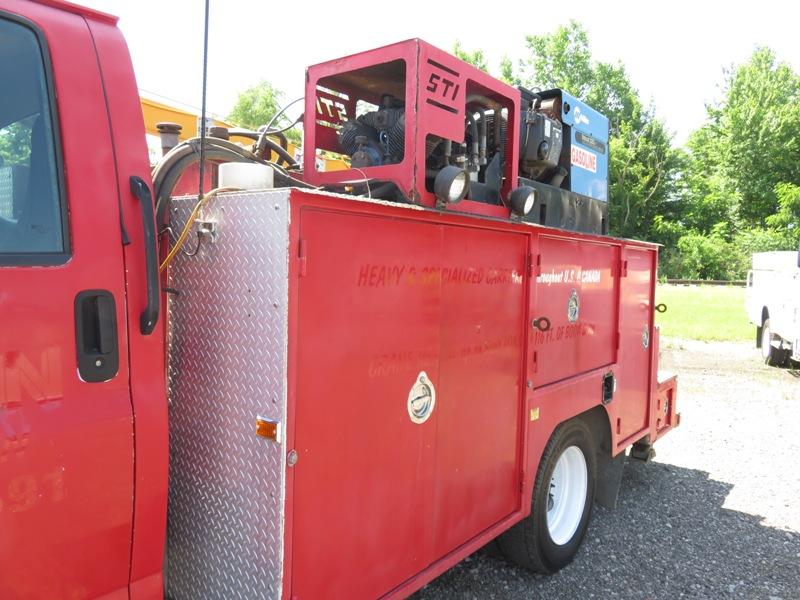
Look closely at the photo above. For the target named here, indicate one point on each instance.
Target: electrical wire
(173, 239)
(287, 128)
(366, 180)
(281, 111)
(196, 247)
(263, 141)
(201, 202)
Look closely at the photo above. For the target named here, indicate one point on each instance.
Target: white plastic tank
(246, 176)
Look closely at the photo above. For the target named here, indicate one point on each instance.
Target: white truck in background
(772, 301)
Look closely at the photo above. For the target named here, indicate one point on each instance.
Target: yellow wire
(190, 221)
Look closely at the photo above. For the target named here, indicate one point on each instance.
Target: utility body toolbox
(360, 392)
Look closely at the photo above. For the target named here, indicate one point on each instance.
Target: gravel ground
(716, 515)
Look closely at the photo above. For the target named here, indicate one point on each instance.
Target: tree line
(734, 189)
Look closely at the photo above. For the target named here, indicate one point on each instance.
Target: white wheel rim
(567, 496)
(766, 341)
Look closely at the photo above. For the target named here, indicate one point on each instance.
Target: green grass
(704, 312)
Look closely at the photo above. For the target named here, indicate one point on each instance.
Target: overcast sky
(675, 51)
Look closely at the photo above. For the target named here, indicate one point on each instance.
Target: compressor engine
(376, 137)
(456, 135)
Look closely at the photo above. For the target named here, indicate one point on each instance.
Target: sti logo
(331, 109)
(442, 86)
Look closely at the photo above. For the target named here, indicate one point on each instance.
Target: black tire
(774, 357)
(528, 543)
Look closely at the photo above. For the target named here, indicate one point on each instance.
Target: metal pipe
(448, 151)
(483, 126)
(473, 127)
(498, 131)
(170, 134)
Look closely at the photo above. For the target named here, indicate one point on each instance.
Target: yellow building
(156, 111)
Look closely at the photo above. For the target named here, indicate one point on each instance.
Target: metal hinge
(623, 268)
(302, 259)
(534, 264)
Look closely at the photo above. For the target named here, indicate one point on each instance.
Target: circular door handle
(542, 323)
(662, 308)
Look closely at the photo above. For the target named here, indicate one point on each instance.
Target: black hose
(263, 141)
(256, 137)
(169, 171)
(278, 133)
(171, 177)
(191, 146)
(281, 138)
(245, 133)
(283, 155)
(384, 189)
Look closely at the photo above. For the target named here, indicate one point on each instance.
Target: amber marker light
(268, 428)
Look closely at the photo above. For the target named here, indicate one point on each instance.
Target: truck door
(66, 434)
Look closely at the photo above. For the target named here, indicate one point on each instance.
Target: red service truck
(325, 384)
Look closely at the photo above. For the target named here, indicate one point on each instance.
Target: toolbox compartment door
(576, 292)
(378, 497)
(636, 335)
(368, 324)
(479, 395)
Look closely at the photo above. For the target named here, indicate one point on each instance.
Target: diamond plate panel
(228, 353)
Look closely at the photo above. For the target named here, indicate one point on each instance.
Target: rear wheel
(563, 494)
(771, 351)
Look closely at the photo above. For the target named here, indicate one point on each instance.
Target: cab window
(32, 215)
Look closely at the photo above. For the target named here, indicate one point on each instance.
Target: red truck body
(374, 295)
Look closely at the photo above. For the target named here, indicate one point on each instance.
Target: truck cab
(83, 431)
